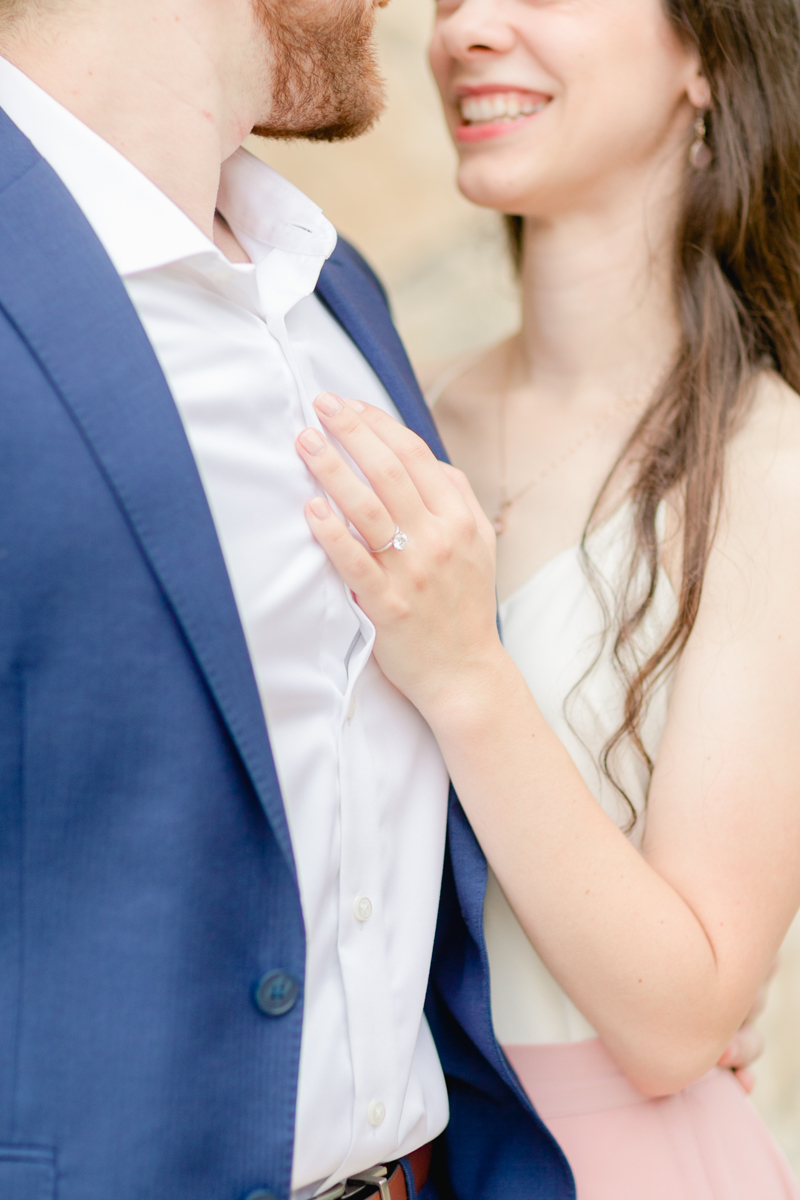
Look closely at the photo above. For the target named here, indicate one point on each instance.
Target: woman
(628, 759)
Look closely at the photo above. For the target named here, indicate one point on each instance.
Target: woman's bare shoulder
(460, 392)
(764, 458)
(756, 553)
(430, 373)
(458, 379)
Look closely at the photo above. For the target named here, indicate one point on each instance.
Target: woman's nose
(472, 29)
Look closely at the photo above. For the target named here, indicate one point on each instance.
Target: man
(214, 939)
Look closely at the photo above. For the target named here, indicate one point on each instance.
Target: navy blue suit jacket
(146, 873)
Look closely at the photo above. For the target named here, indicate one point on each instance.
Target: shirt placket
(363, 936)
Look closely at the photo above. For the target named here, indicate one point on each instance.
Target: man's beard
(325, 80)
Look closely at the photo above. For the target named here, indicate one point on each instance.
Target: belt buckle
(377, 1177)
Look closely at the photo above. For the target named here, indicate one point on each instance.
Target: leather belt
(386, 1180)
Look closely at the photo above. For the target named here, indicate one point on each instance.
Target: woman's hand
(433, 602)
(747, 1045)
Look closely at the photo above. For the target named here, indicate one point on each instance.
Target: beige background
(392, 194)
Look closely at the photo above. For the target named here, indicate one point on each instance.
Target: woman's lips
(489, 112)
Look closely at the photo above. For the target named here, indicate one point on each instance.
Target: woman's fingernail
(320, 507)
(328, 404)
(356, 405)
(312, 441)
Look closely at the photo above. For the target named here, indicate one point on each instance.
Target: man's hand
(748, 1044)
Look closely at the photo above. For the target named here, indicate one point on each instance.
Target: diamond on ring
(398, 541)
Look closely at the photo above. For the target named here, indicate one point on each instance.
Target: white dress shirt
(245, 348)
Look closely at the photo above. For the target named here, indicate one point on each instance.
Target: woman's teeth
(478, 110)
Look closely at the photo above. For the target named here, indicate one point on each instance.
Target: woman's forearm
(621, 941)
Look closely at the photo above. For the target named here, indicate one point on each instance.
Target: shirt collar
(138, 225)
(266, 212)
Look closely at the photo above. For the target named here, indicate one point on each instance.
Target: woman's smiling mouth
(489, 113)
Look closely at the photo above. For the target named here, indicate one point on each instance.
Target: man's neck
(154, 79)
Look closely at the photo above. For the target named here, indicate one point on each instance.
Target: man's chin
(326, 84)
(340, 130)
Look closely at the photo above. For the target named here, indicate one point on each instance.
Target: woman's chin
(489, 187)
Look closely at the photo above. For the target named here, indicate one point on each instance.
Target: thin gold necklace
(507, 501)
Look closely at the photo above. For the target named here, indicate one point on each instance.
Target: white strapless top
(552, 628)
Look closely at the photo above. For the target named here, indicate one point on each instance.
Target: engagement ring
(398, 541)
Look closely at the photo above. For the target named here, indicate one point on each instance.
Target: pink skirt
(705, 1143)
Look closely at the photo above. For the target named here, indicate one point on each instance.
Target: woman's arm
(662, 951)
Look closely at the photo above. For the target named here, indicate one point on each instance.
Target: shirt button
(362, 908)
(276, 993)
(376, 1112)
(351, 712)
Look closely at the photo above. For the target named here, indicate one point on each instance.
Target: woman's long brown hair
(737, 287)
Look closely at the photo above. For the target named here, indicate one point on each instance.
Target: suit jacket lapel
(470, 883)
(62, 293)
(356, 299)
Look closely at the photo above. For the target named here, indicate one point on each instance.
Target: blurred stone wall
(392, 194)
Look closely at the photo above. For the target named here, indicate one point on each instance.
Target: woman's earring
(700, 155)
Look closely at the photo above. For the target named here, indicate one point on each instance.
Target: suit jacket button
(260, 1194)
(276, 994)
